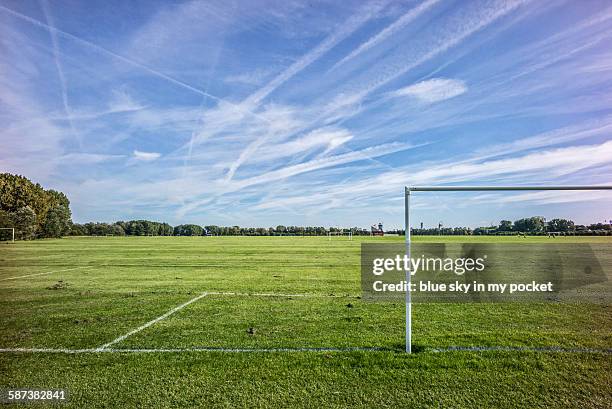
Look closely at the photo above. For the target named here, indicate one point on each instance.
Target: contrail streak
(346, 30)
(107, 52)
(60, 72)
(389, 30)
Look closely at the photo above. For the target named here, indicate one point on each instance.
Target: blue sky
(260, 113)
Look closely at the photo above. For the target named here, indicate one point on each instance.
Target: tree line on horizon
(38, 213)
(536, 225)
(151, 228)
(531, 226)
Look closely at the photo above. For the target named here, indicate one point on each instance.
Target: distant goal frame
(348, 234)
(408, 192)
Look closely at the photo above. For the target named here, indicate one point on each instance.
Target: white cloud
(103, 51)
(123, 102)
(321, 163)
(554, 163)
(252, 77)
(294, 170)
(433, 90)
(362, 16)
(146, 156)
(328, 138)
(86, 158)
(351, 25)
(434, 43)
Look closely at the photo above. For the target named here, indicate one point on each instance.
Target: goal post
(407, 194)
(10, 231)
(348, 234)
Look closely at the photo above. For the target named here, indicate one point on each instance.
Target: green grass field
(273, 301)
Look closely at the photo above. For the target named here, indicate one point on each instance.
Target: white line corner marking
(148, 324)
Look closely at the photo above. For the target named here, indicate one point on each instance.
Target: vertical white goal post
(12, 229)
(407, 194)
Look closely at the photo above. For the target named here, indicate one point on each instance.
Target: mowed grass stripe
(45, 273)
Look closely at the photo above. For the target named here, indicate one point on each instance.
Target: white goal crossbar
(410, 189)
(12, 229)
(348, 234)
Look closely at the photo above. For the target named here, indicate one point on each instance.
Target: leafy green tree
(188, 230)
(5, 219)
(505, 225)
(117, 230)
(24, 221)
(530, 225)
(561, 225)
(78, 230)
(57, 222)
(600, 226)
(17, 192)
(137, 229)
(167, 230)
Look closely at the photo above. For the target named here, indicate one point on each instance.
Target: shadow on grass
(416, 348)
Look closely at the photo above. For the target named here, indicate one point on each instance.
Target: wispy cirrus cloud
(145, 156)
(388, 31)
(329, 107)
(433, 90)
(549, 165)
(364, 14)
(326, 139)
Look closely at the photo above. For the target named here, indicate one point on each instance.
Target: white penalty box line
(281, 295)
(106, 347)
(46, 272)
(148, 324)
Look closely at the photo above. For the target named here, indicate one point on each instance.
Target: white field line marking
(271, 350)
(47, 350)
(281, 295)
(179, 350)
(47, 272)
(148, 324)
(519, 349)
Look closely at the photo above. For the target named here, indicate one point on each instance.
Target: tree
(188, 230)
(57, 222)
(78, 230)
(117, 230)
(530, 225)
(561, 225)
(166, 230)
(137, 229)
(536, 224)
(600, 226)
(17, 192)
(5, 219)
(505, 225)
(24, 221)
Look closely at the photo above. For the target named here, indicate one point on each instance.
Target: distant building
(377, 230)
